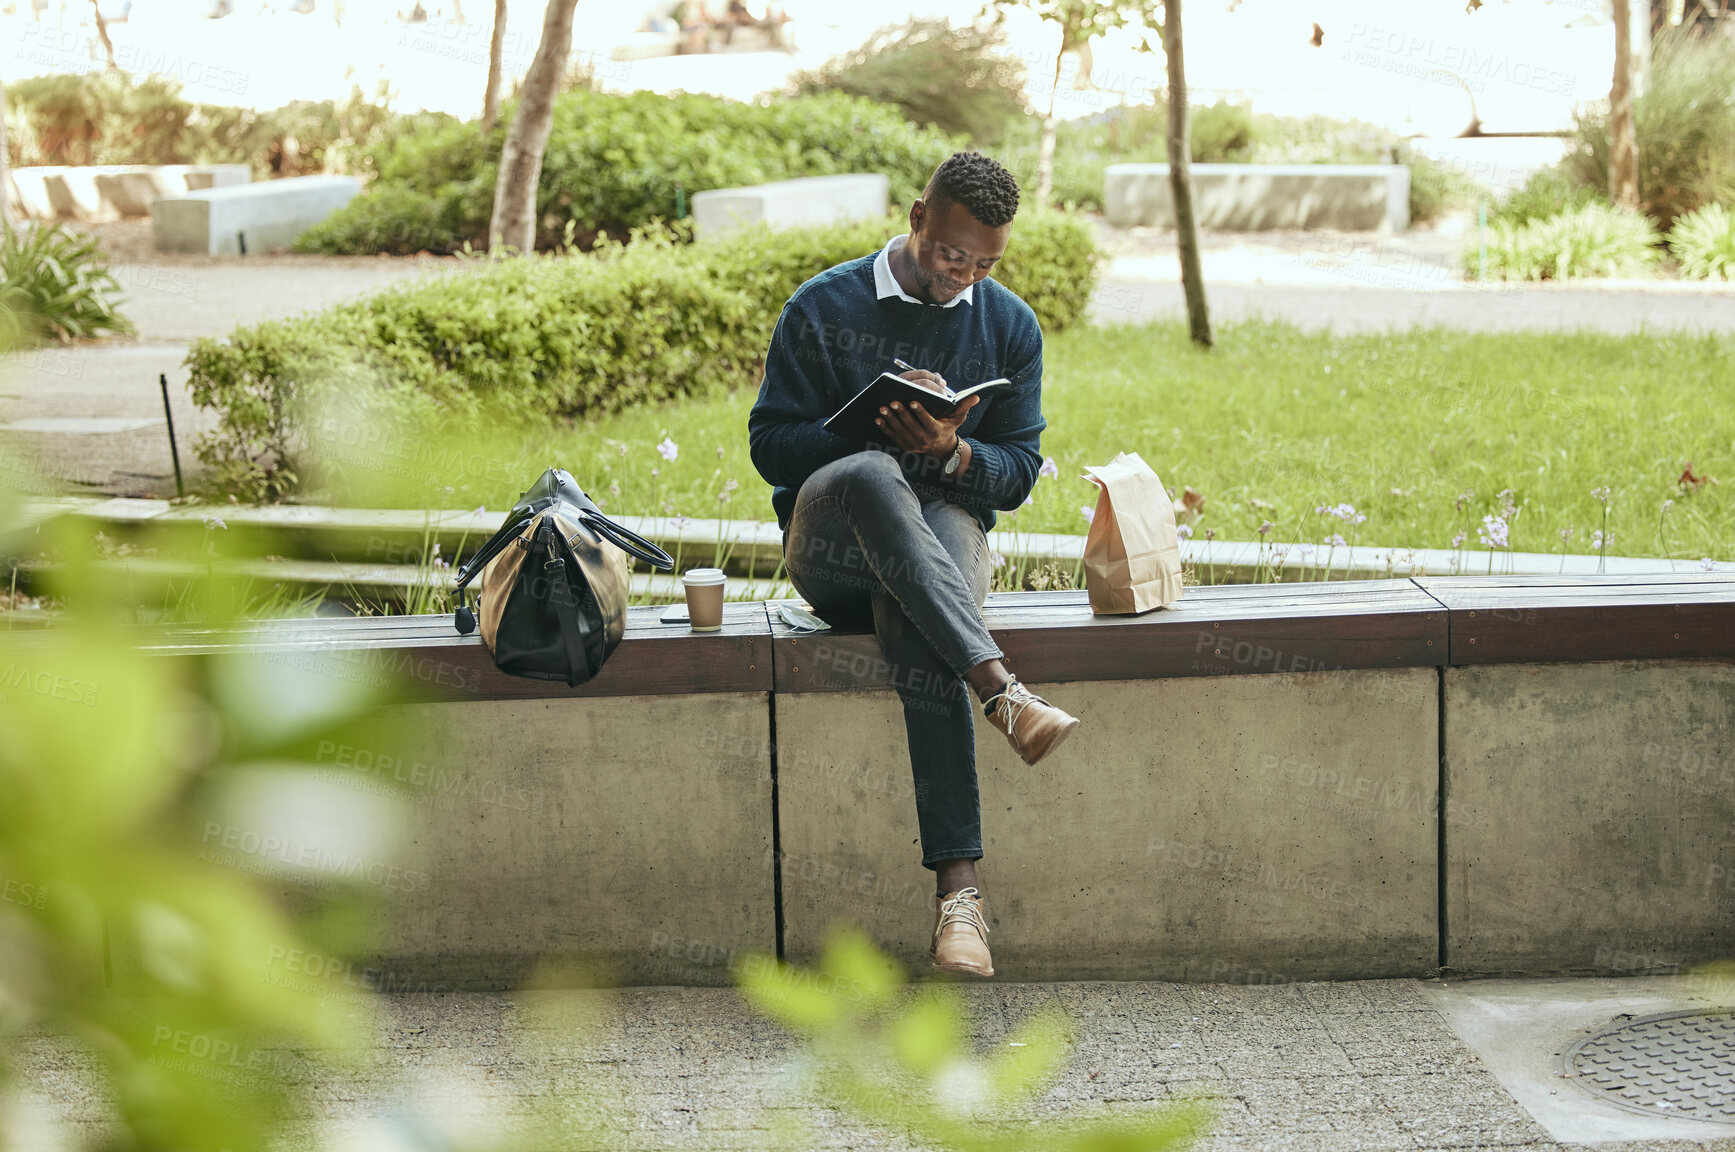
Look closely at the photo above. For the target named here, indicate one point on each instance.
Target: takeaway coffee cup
(704, 598)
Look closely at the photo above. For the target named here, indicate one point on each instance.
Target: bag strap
(628, 541)
(574, 629)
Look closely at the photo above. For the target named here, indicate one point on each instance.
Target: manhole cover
(1671, 1064)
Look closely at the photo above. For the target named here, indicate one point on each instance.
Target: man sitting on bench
(897, 533)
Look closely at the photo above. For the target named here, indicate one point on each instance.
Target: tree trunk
(102, 34)
(1181, 180)
(514, 223)
(5, 176)
(1045, 151)
(491, 94)
(1623, 142)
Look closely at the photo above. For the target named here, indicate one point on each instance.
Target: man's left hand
(914, 429)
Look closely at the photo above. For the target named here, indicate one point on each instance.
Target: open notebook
(856, 418)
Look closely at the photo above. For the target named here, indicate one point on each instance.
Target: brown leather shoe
(1033, 725)
(960, 941)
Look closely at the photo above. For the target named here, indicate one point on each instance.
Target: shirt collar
(885, 284)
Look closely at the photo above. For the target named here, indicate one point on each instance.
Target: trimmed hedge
(546, 338)
(614, 163)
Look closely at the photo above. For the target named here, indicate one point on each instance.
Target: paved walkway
(1306, 1067)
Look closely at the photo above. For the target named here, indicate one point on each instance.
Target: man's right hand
(929, 380)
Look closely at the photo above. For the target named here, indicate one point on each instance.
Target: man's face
(950, 249)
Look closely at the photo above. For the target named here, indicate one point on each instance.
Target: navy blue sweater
(835, 337)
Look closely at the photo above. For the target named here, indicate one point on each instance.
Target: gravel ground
(1321, 1067)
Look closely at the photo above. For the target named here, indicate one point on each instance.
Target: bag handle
(628, 541)
(509, 531)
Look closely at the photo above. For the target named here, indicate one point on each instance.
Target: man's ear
(918, 212)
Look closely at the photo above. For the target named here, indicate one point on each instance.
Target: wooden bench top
(1211, 631)
(1237, 629)
(1537, 619)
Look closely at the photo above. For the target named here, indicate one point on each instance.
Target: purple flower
(214, 522)
(1265, 527)
(480, 509)
(1493, 532)
(1028, 500)
(1709, 564)
(1336, 541)
(1507, 508)
(729, 486)
(1049, 468)
(1601, 494)
(1458, 542)
(999, 560)
(1567, 534)
(1344, 512)
(1183, 532)
(668, 449)
(1596, 541)
(1088, 513)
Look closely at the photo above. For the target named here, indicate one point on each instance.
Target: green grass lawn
(1276, 422)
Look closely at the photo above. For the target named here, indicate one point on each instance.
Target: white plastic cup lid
(702, 576)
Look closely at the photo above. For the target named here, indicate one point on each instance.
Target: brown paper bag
(1132, 558)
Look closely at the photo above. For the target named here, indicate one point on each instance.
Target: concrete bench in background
(96, 193)
(790, 203)
(262, 217)
(1263, 197)
(1364, 779)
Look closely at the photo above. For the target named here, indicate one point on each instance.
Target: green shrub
(1685, 122)
(614, 163)
(390, 218)
(55, 285)
(114, 118)
(1704, 242)
(1051, 263)
(542, 338)
(956, 79)
(1546, 194)
(1220, 133)
(1436, 189)
(1592, 240)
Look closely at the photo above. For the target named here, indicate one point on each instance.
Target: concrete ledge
(790, 203)
(1261, 197)
(1253, 829)
(263, 217)
(1588, 809)
(602, 830)
(1272, 783)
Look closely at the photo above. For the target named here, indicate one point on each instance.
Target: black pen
(908, 367)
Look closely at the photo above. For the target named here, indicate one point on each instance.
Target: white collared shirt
(885, 284)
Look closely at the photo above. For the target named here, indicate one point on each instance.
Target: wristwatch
(952, 461)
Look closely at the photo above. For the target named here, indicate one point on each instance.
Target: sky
(1420, 67)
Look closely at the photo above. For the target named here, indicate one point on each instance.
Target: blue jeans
(861, 546)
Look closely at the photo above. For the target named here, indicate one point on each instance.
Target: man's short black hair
(987, 191)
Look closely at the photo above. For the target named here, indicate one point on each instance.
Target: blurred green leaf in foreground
(898, 1058)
